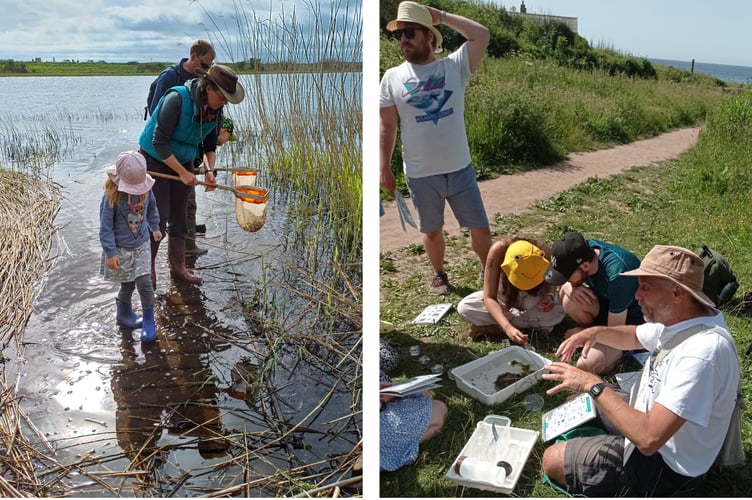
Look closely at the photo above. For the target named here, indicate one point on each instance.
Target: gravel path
(515, 193)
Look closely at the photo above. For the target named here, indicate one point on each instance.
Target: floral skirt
(402, 424)
(134, 262)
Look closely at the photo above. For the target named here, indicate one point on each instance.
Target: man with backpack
(682, 415)
(201, 57)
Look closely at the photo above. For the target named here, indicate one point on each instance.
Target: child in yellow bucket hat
(515, 296)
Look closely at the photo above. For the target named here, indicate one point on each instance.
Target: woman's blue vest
(188, 133)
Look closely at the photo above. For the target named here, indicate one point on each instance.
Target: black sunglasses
(409, 32)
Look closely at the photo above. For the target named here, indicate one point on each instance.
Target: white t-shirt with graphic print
(430, 100)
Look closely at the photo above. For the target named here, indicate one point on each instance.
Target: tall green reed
(301, 126)
(34, 150)
(307, 122)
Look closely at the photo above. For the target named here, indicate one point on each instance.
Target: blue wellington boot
(149, 328)
(126, 317)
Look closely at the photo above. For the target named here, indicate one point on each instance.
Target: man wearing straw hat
(425, 97)
(675, 423)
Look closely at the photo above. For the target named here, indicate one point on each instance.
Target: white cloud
(133, 30)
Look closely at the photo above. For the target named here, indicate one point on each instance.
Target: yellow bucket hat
(524, 264)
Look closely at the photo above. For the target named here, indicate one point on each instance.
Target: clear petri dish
(533, 402)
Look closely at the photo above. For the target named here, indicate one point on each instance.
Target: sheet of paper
(413, 385)
(432, 314)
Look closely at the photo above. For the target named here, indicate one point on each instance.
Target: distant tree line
(11, 67)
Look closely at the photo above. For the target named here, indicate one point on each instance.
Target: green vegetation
(703, 197)
(542, 92)
(73, 68)
(310, 139)
(102, 68)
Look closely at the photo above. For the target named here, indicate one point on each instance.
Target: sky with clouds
(142, 30)
(148, 30)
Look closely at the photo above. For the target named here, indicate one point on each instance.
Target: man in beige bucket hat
(425, 97)
(660, 439)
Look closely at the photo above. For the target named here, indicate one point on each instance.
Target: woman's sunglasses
(409, 32)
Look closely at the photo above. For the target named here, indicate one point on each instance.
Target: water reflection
(167, 392)
(285, 394)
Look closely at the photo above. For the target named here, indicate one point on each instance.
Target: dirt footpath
(516, 193)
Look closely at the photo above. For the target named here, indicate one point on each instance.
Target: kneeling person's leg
(592, 466)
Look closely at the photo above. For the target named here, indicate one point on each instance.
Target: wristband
(443, 17)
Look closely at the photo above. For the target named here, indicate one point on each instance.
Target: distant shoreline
(726, 72)
(12, 68)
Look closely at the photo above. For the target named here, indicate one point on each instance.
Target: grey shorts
(593, 466)
(459, 188)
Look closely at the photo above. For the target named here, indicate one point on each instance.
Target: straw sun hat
(412, 12)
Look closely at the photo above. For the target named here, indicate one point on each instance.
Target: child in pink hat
(127, 215)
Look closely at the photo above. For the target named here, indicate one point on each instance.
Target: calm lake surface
(94, 390)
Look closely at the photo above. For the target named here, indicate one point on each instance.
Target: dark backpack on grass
(153, 87)
(720, 283)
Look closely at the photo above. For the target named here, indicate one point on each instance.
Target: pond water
(196, 395)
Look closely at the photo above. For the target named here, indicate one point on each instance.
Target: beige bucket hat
(413, 12)
(678, 264)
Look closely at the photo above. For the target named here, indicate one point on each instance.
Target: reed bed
(307, 126)
(26, 242)
(35, 149)
(307, 318)
(26, 246)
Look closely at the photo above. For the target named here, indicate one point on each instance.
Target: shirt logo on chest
(428, 96)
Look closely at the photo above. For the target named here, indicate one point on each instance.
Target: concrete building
(570, 22)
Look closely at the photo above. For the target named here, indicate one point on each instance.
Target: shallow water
(92, 389)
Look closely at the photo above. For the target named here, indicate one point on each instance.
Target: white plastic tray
(478, 378)
(513, 446)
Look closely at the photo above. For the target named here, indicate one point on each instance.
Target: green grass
(701, 197)
(523, 113)
(72, 68)
(542, 92)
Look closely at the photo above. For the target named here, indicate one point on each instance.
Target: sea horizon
(726, 72)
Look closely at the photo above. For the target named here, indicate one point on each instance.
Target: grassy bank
(542, 92)
(102, 68)
(523, 113)
(702, 197)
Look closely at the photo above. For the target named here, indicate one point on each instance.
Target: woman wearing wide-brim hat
(185, 116)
